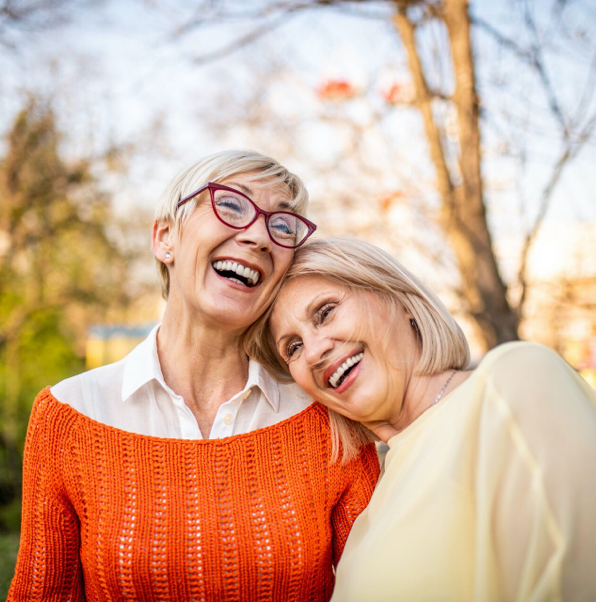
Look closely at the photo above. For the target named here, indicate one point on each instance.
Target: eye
(283, 226)
(292, 347)
(229, 203)
(323, 313)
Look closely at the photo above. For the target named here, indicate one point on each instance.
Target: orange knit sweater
(112, 515)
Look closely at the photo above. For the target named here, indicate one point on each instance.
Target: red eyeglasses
(237, 211)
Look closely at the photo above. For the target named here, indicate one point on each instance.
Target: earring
(414, 325)
(168, 255)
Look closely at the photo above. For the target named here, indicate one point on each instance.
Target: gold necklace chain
(443, 389)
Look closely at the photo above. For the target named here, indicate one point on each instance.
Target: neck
(205, 365)
(421, 392)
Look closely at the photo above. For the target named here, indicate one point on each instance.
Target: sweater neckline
(314, 407)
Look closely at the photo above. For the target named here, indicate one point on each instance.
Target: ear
(162, 238)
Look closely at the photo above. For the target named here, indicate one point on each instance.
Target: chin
(230, 315)
(236, 323)
(356, 410)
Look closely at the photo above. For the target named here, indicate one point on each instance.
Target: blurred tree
(61, 266)
(30, 16)
(436, 36)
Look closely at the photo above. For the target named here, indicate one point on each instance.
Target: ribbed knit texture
(112, 515)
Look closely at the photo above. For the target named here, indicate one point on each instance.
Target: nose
(316, 348)
(256, 235)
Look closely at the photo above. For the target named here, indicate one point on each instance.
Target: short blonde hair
(217, 167)
(362, 267)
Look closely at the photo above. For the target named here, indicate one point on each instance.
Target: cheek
(301, 375)
(282, 258)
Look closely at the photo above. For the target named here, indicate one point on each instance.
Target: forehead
(299, 296)
(269, 191)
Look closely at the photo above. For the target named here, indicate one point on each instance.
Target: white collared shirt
(132, 395)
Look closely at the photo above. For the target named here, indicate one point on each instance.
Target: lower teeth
(246, 283)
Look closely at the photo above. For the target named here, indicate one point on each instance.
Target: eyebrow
(245, 189)
(307, 312)
(284, 205)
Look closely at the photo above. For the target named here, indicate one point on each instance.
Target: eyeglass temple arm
(192, 195)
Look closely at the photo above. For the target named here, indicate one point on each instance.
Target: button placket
(189, 427)
(226, 415)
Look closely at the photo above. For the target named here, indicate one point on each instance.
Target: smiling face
(347, 349)
(223, 277)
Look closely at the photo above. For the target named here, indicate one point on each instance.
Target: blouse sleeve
(48, 564)
(537, 484)
(364, 473)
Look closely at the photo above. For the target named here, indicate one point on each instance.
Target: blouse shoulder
(533, 374)
(537, 435)
(531, 355)
(86, 389)
(538, 398)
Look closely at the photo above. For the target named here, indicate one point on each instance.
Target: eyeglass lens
(237, 211)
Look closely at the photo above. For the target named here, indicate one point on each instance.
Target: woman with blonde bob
(184, 471)
(488, 490)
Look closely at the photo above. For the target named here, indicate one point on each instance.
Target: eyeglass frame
(212, 186)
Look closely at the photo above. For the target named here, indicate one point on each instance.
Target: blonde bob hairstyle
(362, 267)
(216, 168)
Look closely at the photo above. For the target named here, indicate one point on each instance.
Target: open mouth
(342, 371)
(236, 272)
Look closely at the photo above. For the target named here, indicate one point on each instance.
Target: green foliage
(9, 546)
(59, 271)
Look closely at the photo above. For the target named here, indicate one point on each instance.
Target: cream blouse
(489, 495)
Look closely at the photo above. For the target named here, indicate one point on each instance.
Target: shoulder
(51, 422)
(536, 385)
(80, 391)
(88, 391)
(530, 354)
(527, 367)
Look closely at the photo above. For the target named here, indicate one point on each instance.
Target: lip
(333, 367)
(248, 264)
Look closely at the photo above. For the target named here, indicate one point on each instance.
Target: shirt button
(228, 418)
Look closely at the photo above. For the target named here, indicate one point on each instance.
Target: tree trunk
(463, 214)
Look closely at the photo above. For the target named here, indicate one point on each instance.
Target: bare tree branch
(244, 40)
(272, 10)
(532, 57)
(587, 93)
(35, 16)
(278, 12)
(569, 152)
(423, 101)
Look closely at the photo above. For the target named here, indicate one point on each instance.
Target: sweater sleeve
(48, 563)
(537, 491)
(363, 477)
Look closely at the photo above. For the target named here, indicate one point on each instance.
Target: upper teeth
(241, 270)
(347, 364)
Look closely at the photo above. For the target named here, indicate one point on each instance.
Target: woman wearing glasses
(489, 488)
(184, 471)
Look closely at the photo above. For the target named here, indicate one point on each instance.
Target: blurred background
(460, 136)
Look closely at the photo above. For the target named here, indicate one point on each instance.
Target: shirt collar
(142, 366)
(257, 375)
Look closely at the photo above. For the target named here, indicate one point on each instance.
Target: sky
(121, 71)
